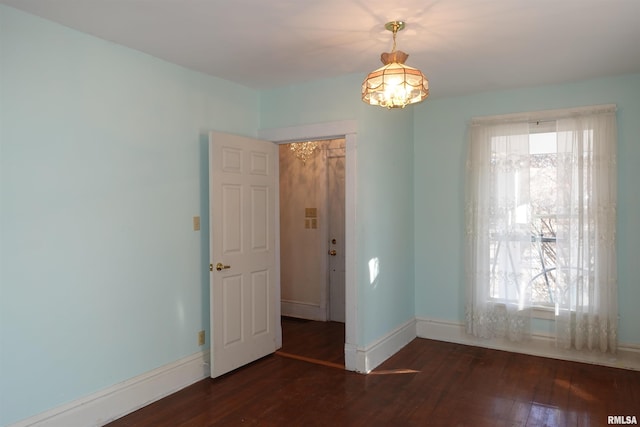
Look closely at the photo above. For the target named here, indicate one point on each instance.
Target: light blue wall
(384, 206)
(103, 163)
(440, 144)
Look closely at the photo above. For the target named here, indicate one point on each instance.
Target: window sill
(537, 312)
(543, 313)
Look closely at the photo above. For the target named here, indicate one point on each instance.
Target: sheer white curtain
(498, 300)
(501, 230)
(587, 300)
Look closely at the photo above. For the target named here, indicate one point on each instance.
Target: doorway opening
(312, 249)
(347, 129)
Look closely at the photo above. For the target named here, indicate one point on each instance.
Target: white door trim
(329, 130)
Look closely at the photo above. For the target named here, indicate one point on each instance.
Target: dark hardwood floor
(319, 342)
(427, 383)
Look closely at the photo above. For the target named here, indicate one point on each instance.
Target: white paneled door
(243, 189)
(336, 205)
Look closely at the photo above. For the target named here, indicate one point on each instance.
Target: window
(522, 251)
(540, 225)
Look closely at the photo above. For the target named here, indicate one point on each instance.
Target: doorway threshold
(310, 360)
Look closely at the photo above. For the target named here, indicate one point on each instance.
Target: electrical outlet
(201, 338)
(196, 223)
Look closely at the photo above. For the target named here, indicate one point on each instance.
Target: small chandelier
(395, 84)
(304, 150)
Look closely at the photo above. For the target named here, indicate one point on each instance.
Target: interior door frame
(321, 131)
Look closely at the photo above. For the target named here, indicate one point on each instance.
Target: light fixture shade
(395, 85)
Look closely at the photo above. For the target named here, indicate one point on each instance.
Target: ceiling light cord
(394, 27)
(395, 32)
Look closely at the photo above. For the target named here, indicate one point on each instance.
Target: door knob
(332, 252)
(220, 266)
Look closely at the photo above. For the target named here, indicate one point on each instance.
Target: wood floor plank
(317, 340)
(427, 383)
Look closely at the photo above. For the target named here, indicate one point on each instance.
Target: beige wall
(303, 248)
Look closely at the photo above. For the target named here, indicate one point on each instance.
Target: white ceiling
(462, 46)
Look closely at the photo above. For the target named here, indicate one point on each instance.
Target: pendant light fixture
(304, 150)
(395, 85)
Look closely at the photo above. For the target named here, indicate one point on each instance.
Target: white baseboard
(351, 358)
(364, 360)
(302, 310)
(627, 357)
(121, 399)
